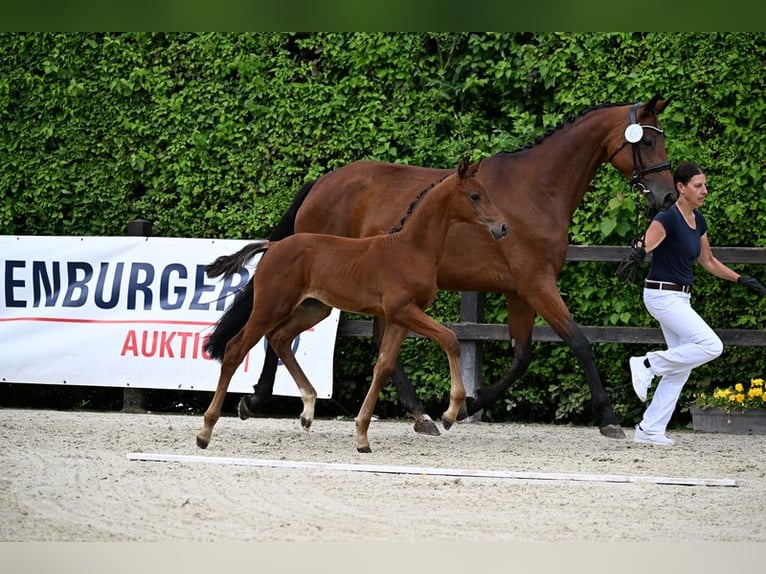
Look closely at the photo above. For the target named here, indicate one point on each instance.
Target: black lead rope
(638, 238)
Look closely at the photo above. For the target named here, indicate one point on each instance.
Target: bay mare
(537, 188)
(391, 276)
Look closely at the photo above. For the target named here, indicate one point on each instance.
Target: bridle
(634, 133)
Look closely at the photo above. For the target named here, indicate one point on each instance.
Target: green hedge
(211, 135)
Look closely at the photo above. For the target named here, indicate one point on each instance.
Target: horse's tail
(236, 315)
(286, 225)
(227, 265)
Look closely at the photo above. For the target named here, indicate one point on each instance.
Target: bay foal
(392, 276)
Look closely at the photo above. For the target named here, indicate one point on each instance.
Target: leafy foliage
(211, 135)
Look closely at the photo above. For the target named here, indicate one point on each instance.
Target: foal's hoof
(306, 423)
(202, 443)
(244, 412)
(425, 425)
(364, 448)
(447, 423)
(612, 431)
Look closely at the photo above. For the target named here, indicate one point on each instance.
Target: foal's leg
(415, 319)
(305, 316)
(384, 366)
(235, 352)
(282, 338)
(407, 395)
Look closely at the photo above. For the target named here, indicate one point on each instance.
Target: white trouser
(691, 343)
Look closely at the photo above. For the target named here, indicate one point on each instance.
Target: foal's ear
(462, 167)
(466, 169)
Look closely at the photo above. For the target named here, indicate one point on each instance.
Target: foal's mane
(415, 202)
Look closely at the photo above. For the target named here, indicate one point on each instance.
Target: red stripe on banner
(107, 321)
(115, 322)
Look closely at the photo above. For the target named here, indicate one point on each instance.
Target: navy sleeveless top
(673, 259)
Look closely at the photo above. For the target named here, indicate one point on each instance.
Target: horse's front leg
(549, 304)
(414, 319)
(424, 424)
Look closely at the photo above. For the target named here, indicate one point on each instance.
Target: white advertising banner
(131, 312)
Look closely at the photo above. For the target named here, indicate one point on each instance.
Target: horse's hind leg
(235, 352)
(407, 395)
(282, 338)
(307, 313)
(263, 389)
(520, 321)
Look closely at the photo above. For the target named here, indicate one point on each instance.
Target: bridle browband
(639, 171)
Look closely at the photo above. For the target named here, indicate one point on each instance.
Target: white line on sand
(431, 471)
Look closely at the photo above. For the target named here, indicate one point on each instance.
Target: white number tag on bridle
(634, 133)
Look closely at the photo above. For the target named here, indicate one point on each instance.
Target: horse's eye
(647, 142)
(475, 197)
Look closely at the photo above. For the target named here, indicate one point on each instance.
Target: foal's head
(477, 206)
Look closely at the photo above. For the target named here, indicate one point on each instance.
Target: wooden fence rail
(471, 331)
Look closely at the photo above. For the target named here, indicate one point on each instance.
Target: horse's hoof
(471, 405)
(202, 443)
(447, 423)
(612, 431)
(306, 423)
(463, 412)
(426, 426)
(364, 448)
(244, 412)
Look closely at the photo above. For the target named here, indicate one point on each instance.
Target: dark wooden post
(471, 311)
(134, 400)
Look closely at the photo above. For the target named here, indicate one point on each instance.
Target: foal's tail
(227, 265)
(236, 315)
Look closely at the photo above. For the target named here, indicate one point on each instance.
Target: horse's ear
(656, 105)
(662, 104)
(462, 168)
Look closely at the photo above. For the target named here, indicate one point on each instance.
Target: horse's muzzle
(499, 231)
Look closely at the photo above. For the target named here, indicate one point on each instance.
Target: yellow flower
(738, 397)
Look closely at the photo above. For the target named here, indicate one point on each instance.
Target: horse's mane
(414, 203)
(570, 120)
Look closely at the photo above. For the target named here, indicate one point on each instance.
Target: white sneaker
(645, 437)
(641, 376)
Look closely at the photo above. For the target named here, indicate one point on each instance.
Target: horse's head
(639, 154)
(482, 208)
